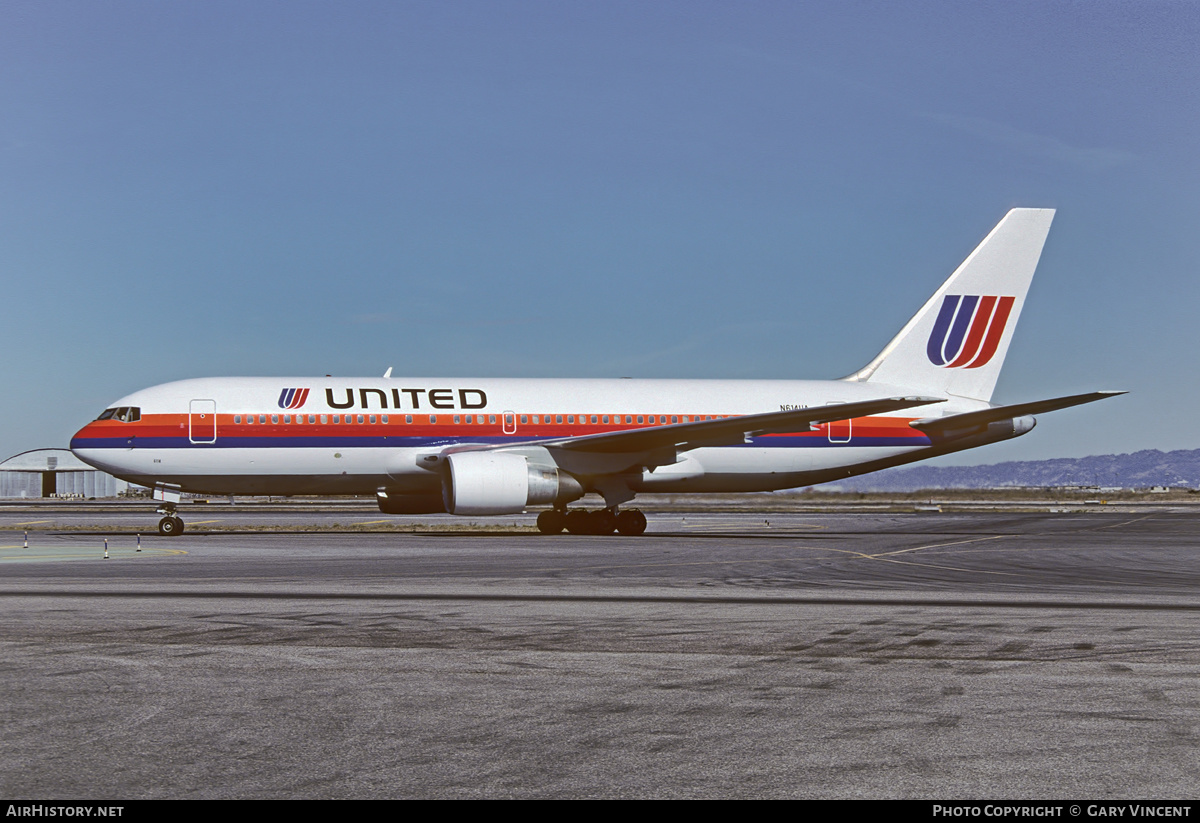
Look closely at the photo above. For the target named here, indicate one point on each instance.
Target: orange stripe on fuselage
(176, 425)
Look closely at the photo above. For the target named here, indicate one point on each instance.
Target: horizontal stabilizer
(997, 413)
(733, 430)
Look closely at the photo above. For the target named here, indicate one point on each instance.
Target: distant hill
(1138, 470)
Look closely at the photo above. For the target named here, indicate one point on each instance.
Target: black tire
(170, 527)
(578, 522)
(602, 522)
(631, 522)
(551, 522)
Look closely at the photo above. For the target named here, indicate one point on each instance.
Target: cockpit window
(125, 414)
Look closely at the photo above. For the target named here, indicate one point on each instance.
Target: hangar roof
(42, 460)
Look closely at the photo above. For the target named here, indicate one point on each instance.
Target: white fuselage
(359, 435)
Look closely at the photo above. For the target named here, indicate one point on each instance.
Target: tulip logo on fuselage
(292, 398)
(968, 330)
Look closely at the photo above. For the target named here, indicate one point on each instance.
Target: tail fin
(957, 342)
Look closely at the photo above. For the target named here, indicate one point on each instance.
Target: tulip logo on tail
(292, 398)
(968, 330)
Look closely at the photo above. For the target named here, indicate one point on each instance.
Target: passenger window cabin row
(477, 419)
(130, 414)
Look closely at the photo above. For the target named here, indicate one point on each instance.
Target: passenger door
(202, 421)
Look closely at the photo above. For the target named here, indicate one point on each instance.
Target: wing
(623, 451)
(730, 431)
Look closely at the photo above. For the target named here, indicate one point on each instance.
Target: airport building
(56, 473)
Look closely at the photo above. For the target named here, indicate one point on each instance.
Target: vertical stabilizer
(957, 342)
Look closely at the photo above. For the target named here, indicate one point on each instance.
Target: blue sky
(597, 189)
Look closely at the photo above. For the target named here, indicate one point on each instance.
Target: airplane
(486, 446)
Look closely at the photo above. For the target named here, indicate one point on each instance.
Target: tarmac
(1015, 655)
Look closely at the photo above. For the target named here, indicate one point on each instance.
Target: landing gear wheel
(551, 522)
(577, 521)
(631, 522)
(170, 527)
(602, 522)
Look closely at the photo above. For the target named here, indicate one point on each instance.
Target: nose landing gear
(170, 526)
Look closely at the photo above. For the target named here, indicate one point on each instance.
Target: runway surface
(722, 655)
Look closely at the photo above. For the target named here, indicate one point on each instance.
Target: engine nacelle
(983, 433)
(487, 482)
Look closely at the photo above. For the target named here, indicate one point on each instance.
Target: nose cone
(91, 443)
(83, 438)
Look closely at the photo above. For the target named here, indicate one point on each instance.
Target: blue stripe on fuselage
(394, 442)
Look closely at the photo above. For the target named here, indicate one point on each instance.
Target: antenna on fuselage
(388, 373)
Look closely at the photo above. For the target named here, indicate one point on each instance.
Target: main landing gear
(630, 522)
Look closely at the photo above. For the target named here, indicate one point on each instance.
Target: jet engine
(489, 482)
